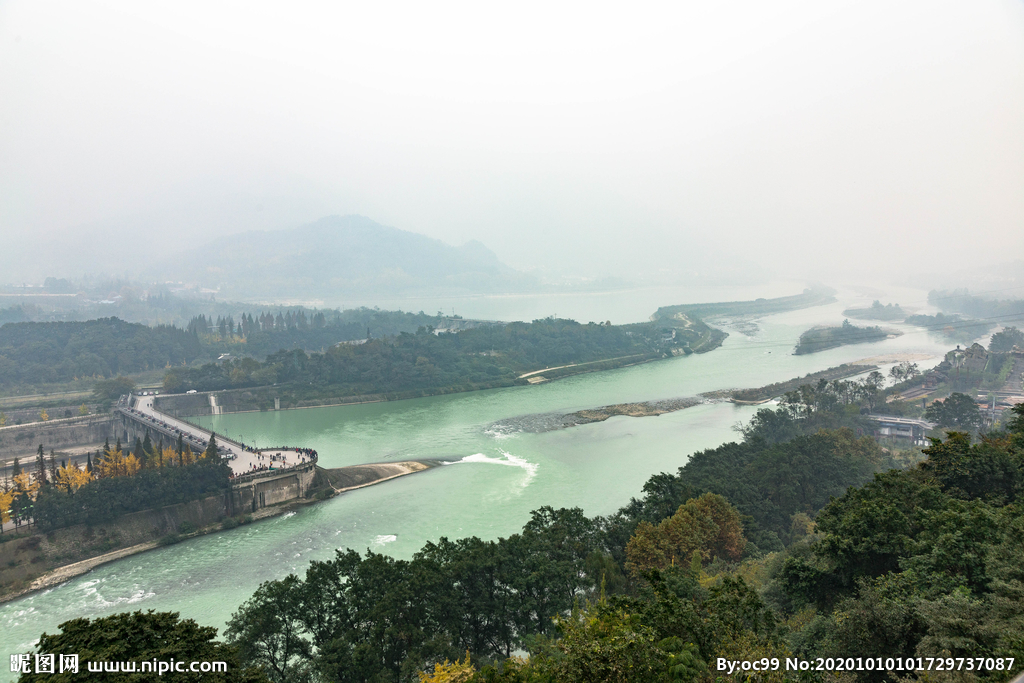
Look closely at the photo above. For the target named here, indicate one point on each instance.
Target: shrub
(169, 539)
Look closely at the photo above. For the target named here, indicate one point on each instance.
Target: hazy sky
(595, 137)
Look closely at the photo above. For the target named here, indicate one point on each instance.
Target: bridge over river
(138, 415)
(260, 477)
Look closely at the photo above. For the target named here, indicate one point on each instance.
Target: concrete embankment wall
(24, 560)
(247, 400)
(188, 405)
(270, 489)
(16, 416)
(22, 441)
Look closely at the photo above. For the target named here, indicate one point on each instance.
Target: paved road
(241, 460)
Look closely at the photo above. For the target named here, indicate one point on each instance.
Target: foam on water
(502, 431)
(507, 459)
(385, 538)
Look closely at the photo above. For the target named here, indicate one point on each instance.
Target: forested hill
(490, 355)
(344, 256)
(33, 353)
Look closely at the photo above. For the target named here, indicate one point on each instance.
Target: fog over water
(801, 137)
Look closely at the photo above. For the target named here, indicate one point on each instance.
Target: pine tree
(41, 466)
(181, 444)
(16, 468)
(211, 449)
(88, 463)
(147, 450)
(53, 467)
(106, 445)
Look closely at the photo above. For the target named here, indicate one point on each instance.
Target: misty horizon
(801, 140)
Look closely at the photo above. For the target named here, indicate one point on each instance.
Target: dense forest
(488, 355)
(33, 353)
(822, 338)
(108, 497)
(263, 333)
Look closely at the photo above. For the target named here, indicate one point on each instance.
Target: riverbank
(36, 562)
(283, 397)
(777, 389)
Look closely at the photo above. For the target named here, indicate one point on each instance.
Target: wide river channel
(500, 470)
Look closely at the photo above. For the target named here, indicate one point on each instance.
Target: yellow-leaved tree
(701, 529)
(25, 486)
(43, 415)
(449, 672)
(6, 499)
(132, 465)
(166, 457)
(71, 478)
(112, 463)
(187, 456)
(83, 409)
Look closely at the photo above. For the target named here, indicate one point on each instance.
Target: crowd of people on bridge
(276, 460)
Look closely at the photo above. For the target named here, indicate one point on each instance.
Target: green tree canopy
(138, 637)
(958, 411)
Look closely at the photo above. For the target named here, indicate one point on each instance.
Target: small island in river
(822, 338)
(888, 312)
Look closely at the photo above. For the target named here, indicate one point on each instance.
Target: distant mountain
(345, 256)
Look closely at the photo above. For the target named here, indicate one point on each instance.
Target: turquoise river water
(499, 472)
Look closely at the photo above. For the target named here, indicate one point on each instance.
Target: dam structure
(259, 477)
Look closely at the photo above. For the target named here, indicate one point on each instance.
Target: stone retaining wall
(22, 441)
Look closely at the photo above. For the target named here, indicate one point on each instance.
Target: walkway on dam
(242, 461)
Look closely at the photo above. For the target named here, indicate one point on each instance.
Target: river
(499, 472)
